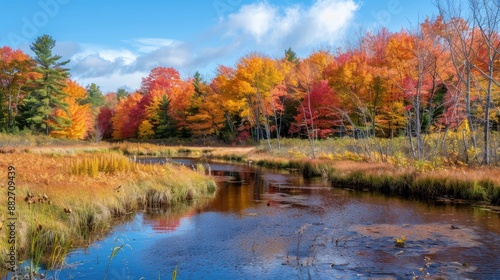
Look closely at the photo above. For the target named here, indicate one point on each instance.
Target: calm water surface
(267, 224)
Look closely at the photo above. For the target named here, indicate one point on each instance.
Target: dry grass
(392, 176)
(101, 163)
(113, 187)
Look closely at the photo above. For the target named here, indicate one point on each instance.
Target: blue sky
(115, 43)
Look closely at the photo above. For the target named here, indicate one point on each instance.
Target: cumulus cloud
(323, 22)
(175, 54)
(124, 67)
(255, 20)
(255, 27)
(96, 61)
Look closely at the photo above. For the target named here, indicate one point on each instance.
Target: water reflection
(274, 225)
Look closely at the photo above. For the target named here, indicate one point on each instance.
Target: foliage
(94, 96)
(15, 71)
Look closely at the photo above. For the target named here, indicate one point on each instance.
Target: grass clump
(107, 163)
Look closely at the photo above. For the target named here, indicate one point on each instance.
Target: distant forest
(441, 77)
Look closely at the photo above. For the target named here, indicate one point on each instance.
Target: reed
(106, 163)
(119, 245)
(147, 149)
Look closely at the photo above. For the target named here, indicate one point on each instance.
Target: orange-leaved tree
(80, 115)
(16, 69)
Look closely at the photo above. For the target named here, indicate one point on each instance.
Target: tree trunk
(487, 115)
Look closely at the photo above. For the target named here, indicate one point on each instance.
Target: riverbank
(395, 175)
(66, 197)
(472, 184)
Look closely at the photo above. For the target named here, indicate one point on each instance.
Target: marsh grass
(86, 192)
(108, 163)
(147, 149)
(421, 185)
(438, 151)
(347, 165)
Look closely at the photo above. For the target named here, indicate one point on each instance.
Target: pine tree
(94, 97)
(165, 125)
(47, 94)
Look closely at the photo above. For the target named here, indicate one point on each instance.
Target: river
(268, 224)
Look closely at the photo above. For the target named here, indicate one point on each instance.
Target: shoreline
(64, 201)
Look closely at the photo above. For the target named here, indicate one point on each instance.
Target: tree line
(439, 78)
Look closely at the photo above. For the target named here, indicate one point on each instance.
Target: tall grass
(146, 149)
(421, 185)
(106, 163)
(86, 191)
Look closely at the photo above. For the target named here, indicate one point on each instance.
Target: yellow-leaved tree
(256, 76)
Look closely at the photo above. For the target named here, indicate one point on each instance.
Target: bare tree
(485, 15)
(306, 78)
(458, 31)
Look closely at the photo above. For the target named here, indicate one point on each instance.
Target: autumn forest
(440, 79)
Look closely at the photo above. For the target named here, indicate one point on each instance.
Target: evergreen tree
(47, 94)
(291, 56)
(165, 125)
(122, 93)
(197, 82)
(94, 96)
(197, 98)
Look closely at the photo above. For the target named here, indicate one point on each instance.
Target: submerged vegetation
(69, 200)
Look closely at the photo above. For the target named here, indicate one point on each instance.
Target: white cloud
(255, 27)
(329, 18)
(114, 81)
(106, 53)
(324, 22)
(97, 61)
(114, 68)
(255, 20)
(147, 45)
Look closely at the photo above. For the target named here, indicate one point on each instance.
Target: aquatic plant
(174, 273)
(116, 248)
(400, 242)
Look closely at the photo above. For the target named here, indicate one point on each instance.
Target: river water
(268, 224)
